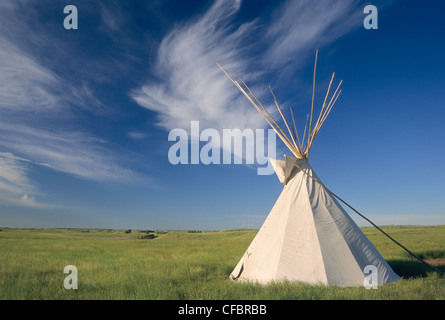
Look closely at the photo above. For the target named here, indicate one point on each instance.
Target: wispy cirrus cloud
(299, 27)
(28, 101)
(71, 152)
(24, 84)
(41, 112)
(42, 92)
(189, 85)
(137, 135)
(15, 185)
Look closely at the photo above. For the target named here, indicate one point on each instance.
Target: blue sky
(85, 113)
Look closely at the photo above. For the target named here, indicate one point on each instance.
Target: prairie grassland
(113, 264)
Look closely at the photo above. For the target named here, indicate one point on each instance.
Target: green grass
(113, 264)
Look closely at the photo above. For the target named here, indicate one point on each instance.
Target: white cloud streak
(191, 87)
(300, 27)
(26, 101)
(38, 122)
(24, 85)
(15, 185)
(70, 152)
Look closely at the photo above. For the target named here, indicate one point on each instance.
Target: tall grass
(113, 264)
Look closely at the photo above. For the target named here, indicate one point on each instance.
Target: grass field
(115, 264)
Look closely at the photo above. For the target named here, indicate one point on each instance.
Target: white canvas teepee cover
(309, 237)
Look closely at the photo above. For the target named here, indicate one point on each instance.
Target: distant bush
(128, 231)
(194, 231)
(148, 236)
(147, 231)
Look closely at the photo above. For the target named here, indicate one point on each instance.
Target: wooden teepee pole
(300, 148)
(312, 107)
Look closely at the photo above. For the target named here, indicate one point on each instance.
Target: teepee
(307, 236)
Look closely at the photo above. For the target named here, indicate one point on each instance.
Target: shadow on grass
(413, 268)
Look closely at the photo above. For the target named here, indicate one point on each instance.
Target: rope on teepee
(376, 226)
